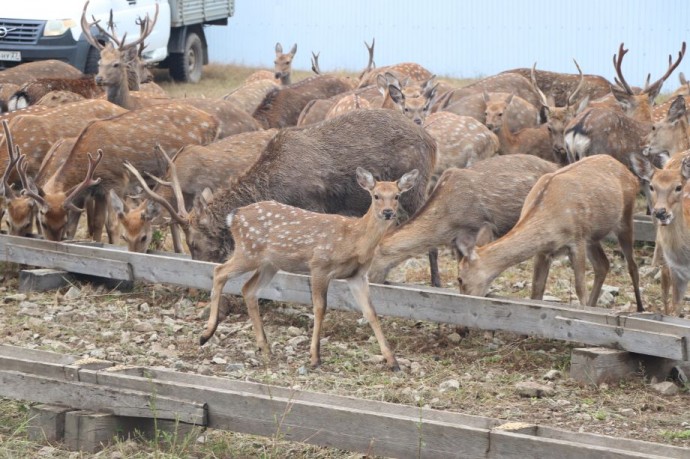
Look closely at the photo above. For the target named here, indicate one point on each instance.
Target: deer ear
(509, 99)
(365, 179)
(485, 95)
(685, 168)
(408, 180)
(465, 245)
(677, 109)
(279, 48)
(153, 210)
(583, 104)
(293, 50)
(624, 99)
(116, 204)
(396, 94)
(642, 166)
(207, 194)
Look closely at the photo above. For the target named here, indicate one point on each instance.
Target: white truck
(32, 30)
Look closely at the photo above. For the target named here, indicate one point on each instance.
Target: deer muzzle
(388, 214)
(99, 80)
(663, 216)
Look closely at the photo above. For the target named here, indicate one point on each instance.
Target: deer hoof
(203, 340)
(395, 367)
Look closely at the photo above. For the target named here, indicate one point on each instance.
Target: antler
(535, 86)
(656, 86)
(315, 63)
(146, 26)
(28, 187)
(180, 216)
(617, 61)
(86, 29)
(571, 98)
(5, 187)
(86, 183)
(371, 65)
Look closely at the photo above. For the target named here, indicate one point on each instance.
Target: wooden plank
(120, 402)
(418, 303)
(47, 423)
(644, 230)
(77, 264)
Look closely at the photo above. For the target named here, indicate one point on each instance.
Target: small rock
(144, 307)
(552, 375)
(376, 359)
(454, 338)
(519, 285)
(302, 371)
(551, 298)
(611, 289)
(168, 312)
(27, 308)
(218, 360)
(233, 367)
(649, 271)
(403, 362)
(297, 340)
(665, 388)
(415, 367)
(628, 412)
(153, 337)
(16, 297)
(72, 294)
(605, 299)
(294, 331)
(533, 389)
(143, 327)
(451, 384)
(204, 370)
(582, 417)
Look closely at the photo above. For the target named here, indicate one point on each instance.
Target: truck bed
(186, 12)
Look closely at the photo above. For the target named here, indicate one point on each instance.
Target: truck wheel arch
(180, 39)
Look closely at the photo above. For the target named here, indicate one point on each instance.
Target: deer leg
(678, 288)
(577, 260)
(433, 268)
(111, 221)
(359, 286)
(99, 213)
(261, 278)
(625, 240)
(319, 290)
(542, 265)
(665, 285)
(221, 274)
(600, 265)
(72, 224)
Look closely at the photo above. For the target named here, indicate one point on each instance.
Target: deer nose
(418, 121)
(277, 74)
(388, 214)
(99, 80)
(661, 214)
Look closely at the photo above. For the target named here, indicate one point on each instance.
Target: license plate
(14, 56)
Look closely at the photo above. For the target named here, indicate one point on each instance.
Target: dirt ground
(442, 368)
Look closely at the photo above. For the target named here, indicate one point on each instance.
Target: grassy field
(102, 323)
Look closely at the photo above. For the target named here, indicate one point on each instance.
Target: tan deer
(671, 209)
(519, 114)
(135, 222)
(50, 68)
(568, 211)
(270, 236)
(467, 208)
(20, 217)
(510, 83)
(684, 89)
(282, 73)
(670, 135)
(249, 95)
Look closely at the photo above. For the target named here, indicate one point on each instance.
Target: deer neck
(119, 94)
(285, 80)
(508, 140)
(368, 232)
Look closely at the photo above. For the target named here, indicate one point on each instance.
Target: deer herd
(345, 177)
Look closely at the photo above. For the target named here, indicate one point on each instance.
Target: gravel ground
(442, 367)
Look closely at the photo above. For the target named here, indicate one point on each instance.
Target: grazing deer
(310, 168)
(467, 208)
(571, 210)
(283, 68)
(127, 137)
(671, 208)
(20, 218)
(135, 222)
(531, 140)
(270, 236)
(194, 168)
(604, 131)
(558, 117)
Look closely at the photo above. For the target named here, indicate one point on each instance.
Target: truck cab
(32, 30)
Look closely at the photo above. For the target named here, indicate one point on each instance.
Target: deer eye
(397, 196)
(144, 237)
(651, 187)
(116, 64)
(679, 188)
(376, 196)
(500, 114)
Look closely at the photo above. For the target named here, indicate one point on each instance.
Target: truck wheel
(92, 58)
(187, 66)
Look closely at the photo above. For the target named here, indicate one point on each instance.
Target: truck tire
(92, 58)
(187, 66)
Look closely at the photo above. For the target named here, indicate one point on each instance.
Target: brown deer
(20, 219)
(127, 137)
(510, 83)
(7, 90)
(571, 210)
(51, 68)
(519, 114)
(671, 209)
(282, 72)
(249, 96)
(282, 106)
(671, 135)
(31, 92)
(558, 117)
(659, 111)
(270, 236)
(532, 141)
(684, 89)
(57, 98)
(467, 208)
(137, 231)
(195, 168)
(310, 168)
(605, 131)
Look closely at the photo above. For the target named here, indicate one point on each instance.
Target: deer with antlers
(127, 137)
(20, 218)
(270, 236)
(571, 210)
(604, 131)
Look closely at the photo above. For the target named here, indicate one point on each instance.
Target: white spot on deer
(228, 219)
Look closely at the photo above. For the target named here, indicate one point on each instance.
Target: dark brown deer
(270, 236)
(467, 208)
(605, 131)
(51, 68)
(127, 137)
(382, 141)
(571, 210)
(31, 92)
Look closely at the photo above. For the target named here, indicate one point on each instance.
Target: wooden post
(41, 280)
(596, 365)
(89, 431)
(47, 423)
